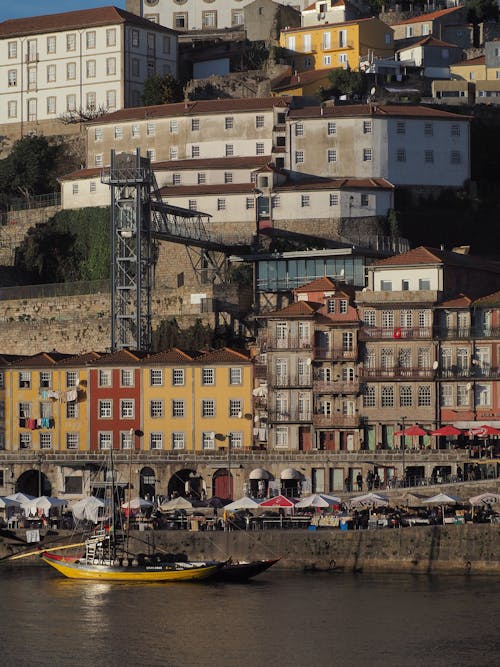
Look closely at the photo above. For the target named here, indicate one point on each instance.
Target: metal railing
(394, 332)
(54, 290)
(289, 343)
(337, 354)
(408, 373)
(36, 201)
(292, 380)
(336, 386)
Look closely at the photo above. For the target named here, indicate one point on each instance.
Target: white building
(81, 60)
(188, 15)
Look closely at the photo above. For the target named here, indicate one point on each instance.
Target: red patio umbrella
(447, 430)
(412, 430)
(484, 430)
(279, 501)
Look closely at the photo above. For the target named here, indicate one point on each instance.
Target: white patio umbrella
(88, 508)
(137, 504)
(318, 500)
(242, 503)
(442, 499)
(485, 499)
(46, 503)
(179, 503)
(6, 502)
(20, 497)
(369, 500)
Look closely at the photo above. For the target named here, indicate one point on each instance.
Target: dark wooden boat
(242, 570)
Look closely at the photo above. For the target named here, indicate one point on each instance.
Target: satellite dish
(468, 386)
(373, 91)
(308, 361)
(240, 414)
(435, 365)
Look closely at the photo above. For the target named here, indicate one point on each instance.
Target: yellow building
(334, 45)
(197, 404)
(46, 402)
(473, 69)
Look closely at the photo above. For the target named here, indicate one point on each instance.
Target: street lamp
(403, 441)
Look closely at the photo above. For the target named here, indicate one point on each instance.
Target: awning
(291, 473)
(260, 473)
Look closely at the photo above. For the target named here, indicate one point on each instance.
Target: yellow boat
(100, 563)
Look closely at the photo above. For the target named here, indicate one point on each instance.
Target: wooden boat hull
(74, 569)
(242, 571)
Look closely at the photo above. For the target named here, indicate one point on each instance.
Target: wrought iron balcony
(466, 333)
(336, 420)
(290, 416)
(373, 333)
(336, 386)
(473, 371)
(391, 373)
(336, 354)
(291, 380)
(289, 343)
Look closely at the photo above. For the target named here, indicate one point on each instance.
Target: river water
(279, 619)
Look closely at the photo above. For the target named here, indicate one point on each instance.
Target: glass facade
(276, 275)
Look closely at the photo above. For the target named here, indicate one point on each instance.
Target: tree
(30, 168)
(481, 10)
(162, 90)
(345, 81)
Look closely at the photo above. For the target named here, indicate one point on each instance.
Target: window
(428, 129)
(235, 407)
(98, 160)
(156, 377)
(166, 44)
(46, 440)
(193, 205)
(236, 439)
(299, 157)
(424, 396)
(259, 121)
(235, 375)
(105, 409)
(98, 134)
(110, 99)
(71, 71)
(110, 66)
(176, 179)
(387, 319)
(173, 126)
(400, 127)
(74, 188)
(202, 178)
(72, 441)
(178, 440)
(281, 437)
(71, 42)
(195, 151)
(483, 394)
(446, 395)
(136, 68)
(334, 199)
(424, 284)
(343, 306)
(342, 58)
(401, 155)
(429, 157)
(463, 396)
(424, 358)
(228, 123)
(72, 410)
(156, 440)
(365, 199)
(367, 127)
(237, 17)
(91, 100)
(24, 410)
(305, 200)
(347, 342)
(299, 129)
(327, 40)
(150, 129)
(72, 379)
(405, 396)
(105, 440)
(209, 19)
(125, 440)
(25, 441)
(405, 318)
(330, 306)
(12, 49)
(387, 396)
(156, 408)
(178, 408)
(250, 203)
(12, 78)
(367, 154)
(51, 105)
(259, 148)
(332, 155)
(455, 130)
(12, 109)
(369, 397)
(24, 380)
(180, 20)
(369, 318)
(127, 377)
(195, 124)
(455, 157)
(178, 379)
(118, 132)
(208, 376)
(105, 378)
(331, 128)
(135, 38)
(386, 285)
(111, 37)
(208, 440)
(208, 407)
(221, 204)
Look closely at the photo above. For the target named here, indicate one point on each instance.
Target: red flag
(397, 332)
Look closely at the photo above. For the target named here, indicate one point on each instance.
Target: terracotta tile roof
(207, 189)
(299, 79)
(337, 184)
(460, 301)
(7, 359)
(427, 41)
(88, 18)
(351, 316)
(193, 108)
(296, 309)
(323, 284)
(488, 300)
(120, 358)
(373, 110)
(224, 355)
(323, 26)
(42, 359)
(480, 60)
(172, 356)
(431, 16)
(80, 359)
(424, 255)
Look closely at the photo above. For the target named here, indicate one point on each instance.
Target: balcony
(473, 371)
(391, 373)
(289, 343)
(336, 421)
(290, 416)
(373, 333)
(336, 386)
(335, 354)
(466, 333)
(291, 380)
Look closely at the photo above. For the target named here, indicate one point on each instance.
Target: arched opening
(188, 484)
(34, 483)
(291, 483)
(258, 482)
(223, 484)
(147, 485)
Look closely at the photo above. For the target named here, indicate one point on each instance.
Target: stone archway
(187, 483)
(34, 483)
(147, 485)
